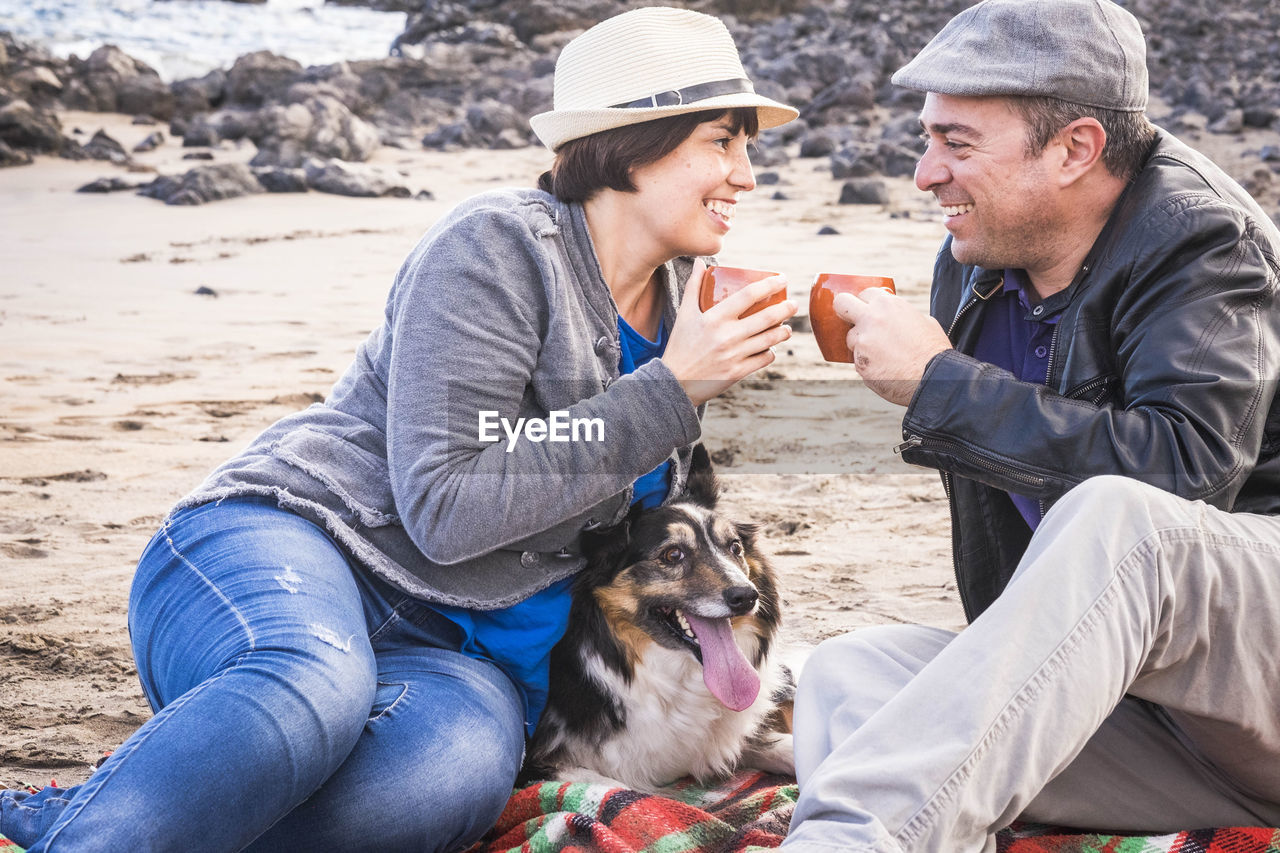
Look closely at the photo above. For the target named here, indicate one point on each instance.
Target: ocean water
(188, 38)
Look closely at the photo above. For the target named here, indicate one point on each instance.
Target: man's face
(1000, 205)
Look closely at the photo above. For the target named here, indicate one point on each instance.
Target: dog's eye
(672, 555)
(735, 548)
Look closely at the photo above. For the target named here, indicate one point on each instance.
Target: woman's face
(686, 201)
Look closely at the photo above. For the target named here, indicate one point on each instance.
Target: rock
(1192, 121)
(280, 180)
(897, 161)
(768, 155)
(767, 179)
(236, 124)
(204, 184)
(12, 157)
(1232, 121)
(335, 176)
(855, 161)
(199, 94)
(104, 147)
(198, 155)
(109, 185)
(145, 95)
(26, 128)
(151, 143)
(1259, 116)
(533, 18)
(864, 191)
(112, 81)
(261, 78)
(200, 134)
(779, 195)
(1257, 182)
(817, 144)
(827, 230)
(36, 84)
(72, 150)
(489, 118)
(322, 127)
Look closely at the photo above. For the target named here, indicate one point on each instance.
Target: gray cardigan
(500, 308)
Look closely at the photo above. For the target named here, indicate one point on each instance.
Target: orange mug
(719, 283)
(830, 330)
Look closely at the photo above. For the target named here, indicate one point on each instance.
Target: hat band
(677, 97)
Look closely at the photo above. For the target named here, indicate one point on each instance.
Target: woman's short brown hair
(587, 165)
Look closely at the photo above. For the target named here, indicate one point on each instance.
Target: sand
(121, 386)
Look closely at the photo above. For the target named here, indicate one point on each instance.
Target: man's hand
(891, 342)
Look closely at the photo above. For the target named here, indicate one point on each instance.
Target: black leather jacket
(1163, 368)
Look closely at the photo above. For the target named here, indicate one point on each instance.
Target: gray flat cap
(1085, 51)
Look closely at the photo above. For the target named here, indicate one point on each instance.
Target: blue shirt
(519, 638)
(1017, 335)
(650, 489)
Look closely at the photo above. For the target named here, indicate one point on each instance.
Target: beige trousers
(1127, 679)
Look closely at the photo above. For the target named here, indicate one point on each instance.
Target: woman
(344, 630)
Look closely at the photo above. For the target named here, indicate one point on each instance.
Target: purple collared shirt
(1017, 336)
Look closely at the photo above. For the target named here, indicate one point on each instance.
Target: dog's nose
(741, 599)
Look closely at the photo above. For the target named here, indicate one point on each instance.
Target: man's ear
(1081, 143)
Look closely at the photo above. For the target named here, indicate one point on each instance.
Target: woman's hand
(709, 351)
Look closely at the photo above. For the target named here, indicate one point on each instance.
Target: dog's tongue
(727, 672)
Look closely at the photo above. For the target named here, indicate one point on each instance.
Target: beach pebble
(151, 143)
(204, 184)
(864, 191)
(109, 185)
(102, 146)
(350, 179)
(281, 180)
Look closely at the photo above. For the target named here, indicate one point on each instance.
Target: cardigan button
(529, 559)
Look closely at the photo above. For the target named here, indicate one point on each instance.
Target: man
(1104, 304)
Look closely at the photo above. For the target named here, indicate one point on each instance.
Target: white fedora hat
(647, 64)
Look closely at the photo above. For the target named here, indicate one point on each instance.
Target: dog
(669, 667)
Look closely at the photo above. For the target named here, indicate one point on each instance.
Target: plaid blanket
(751, 811)
(747, 810)
(1225, 840)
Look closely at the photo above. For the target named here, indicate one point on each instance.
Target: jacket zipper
(967, 452)
(973, 300)
(1041, 504)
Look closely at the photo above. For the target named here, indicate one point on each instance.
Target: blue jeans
(300, 705)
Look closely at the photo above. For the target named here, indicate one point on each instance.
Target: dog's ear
(703, 487)
(747, 532)
(605, 545)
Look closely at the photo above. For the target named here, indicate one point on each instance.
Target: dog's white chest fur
(674, 726)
